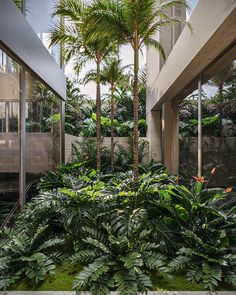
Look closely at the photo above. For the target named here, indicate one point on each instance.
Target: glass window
(43, 129)
(9, 127)
(188, 125)
(218, 129)
(219, 126)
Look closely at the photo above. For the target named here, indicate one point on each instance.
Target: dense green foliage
(80, 119)
(84, 151)
(115, 237)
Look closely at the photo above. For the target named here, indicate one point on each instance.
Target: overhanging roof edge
(17, 36)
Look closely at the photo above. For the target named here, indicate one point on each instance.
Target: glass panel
(219, 126)
(188, 114)
(42, 129)
(9, 128)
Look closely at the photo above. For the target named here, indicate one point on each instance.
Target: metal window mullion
(22, 133)
(162, 132)
(62, 132)
(62, 106)
(200, 162)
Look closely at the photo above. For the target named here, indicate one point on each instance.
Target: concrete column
(154, 135)
(170, 137)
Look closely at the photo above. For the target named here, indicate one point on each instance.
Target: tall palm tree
(112, 75)
(78, 45)
(133, 22)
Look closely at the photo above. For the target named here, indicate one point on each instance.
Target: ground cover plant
(113, 236)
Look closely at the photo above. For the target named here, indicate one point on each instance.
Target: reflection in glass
(43, 129)
(218, 128)
(9, 127)
(188, 125)
(219, 143)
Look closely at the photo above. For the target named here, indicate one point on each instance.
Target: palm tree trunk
(98, 112)
(136, 106)
(112, 129)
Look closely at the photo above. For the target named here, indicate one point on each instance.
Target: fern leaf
(91, 273)
(126, 283)
(132, 260)
(179, 262)
(97, 244)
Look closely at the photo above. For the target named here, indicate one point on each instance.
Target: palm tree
(78, 45)
(133, 22)
(113, 75)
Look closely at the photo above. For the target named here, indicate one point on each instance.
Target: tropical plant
(116, 236)
(79, 45)
(76, 108)
(118, 255)
(204, 231)
(124, 156)
(18, 3)
(134, 23)
(27, 256)
(84, 152)
(112, 74)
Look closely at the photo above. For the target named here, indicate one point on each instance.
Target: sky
(126, 55)
(192, 4)
(43, 24)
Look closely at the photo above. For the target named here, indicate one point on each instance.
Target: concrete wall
(106, 142)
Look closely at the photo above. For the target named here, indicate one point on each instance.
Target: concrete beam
(20, 42)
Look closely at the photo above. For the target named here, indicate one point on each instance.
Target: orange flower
(199, 179)
(228, 190)
(213, 170)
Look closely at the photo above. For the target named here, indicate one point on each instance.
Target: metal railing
(15, 208)
(10, 215)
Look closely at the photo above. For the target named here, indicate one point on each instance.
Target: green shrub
(118, 234)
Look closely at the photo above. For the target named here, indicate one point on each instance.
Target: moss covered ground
(64, 277)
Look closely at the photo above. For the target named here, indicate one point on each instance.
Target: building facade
(32, 97)
(195, 60)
